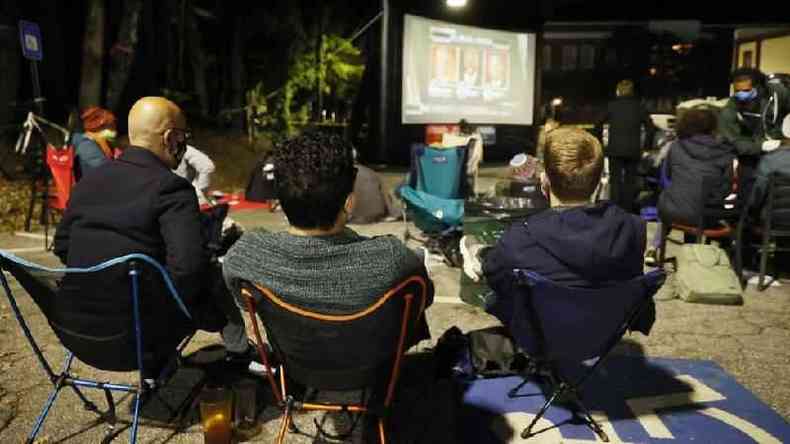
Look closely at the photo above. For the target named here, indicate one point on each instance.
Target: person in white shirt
(196, 167)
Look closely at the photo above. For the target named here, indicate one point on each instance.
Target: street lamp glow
(557, 101)
(456, 3)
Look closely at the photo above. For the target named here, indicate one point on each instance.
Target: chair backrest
(440, 172)
(342, 352)
(561, 323)
(99, 313)
(778, 201)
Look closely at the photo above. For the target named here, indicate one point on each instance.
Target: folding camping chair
(337, 352)
(773, 224)
(60, 162)
(561, 327)
(436, 188)
(112, 341)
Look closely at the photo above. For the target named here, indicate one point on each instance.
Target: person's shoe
(250, 360)
(651, 257)
(472, 267)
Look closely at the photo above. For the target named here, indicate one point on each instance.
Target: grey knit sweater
(334, 274)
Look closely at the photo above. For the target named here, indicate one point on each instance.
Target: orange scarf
(102, 142)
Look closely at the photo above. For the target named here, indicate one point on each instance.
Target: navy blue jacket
(589, 247)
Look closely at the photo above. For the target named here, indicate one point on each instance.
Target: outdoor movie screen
(453, 72)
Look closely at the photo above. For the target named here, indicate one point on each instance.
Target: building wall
(775, 55)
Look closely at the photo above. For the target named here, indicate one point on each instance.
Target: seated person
(92, 147)
(372, 203)
(777, 161)
(574, 243)
(318, 263)
(197, 168)
(136, 204)
(695, 155)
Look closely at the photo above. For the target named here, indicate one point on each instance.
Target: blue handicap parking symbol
(30, 39)
(636, 400)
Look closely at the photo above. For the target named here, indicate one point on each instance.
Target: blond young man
(574, 243)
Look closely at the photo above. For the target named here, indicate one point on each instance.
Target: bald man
(137, 204)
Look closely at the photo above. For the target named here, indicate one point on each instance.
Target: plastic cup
(215, 415)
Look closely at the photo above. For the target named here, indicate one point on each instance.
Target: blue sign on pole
(30, 38)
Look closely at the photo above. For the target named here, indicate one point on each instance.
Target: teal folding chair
(436, 188)
(114, 339)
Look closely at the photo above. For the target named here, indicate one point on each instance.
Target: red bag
(61, 165)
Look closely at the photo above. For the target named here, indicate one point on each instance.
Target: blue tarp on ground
(651, 400)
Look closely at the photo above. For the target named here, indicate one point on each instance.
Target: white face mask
(108, 134)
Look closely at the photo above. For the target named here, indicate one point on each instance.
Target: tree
(92, 55)
(123, 52)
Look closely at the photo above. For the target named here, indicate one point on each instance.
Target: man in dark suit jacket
(136, 204)
(625, 116)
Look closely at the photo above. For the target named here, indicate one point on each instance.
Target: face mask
(108, 134)
(746, 96)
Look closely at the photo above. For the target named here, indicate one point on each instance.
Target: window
(570, 55)
(588, 57)
(547, 57)
(747, 59)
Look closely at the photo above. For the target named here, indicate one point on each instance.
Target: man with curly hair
(318, 263)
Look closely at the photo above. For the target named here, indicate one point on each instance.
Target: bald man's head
(158, 125)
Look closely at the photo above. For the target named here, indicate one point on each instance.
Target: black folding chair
(773, 224)
(561, 327)
(89, 314)
(338, 352)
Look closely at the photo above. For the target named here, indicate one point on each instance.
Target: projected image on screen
(452, 72)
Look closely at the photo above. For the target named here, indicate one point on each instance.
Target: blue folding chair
(113, 338)
(561, 328)
(436, 188)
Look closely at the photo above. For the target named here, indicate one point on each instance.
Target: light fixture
(556, 101)
(456, 3)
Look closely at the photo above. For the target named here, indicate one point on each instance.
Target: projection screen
(453, 71)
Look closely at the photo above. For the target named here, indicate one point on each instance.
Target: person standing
(626, 115)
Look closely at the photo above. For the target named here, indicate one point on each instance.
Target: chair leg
(44, 413)
(527, 432)
(662, 255)
(382, 432)
(135, 418)
(513, 393)
(763, 263)
(591, 422)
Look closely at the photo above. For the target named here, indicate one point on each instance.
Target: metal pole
(384, 83)
(38, 103)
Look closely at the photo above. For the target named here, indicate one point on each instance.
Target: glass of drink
(246, 414)
(215, 415)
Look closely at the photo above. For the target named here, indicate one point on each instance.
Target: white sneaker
(472, 266)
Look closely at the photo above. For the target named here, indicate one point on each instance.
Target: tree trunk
(92, 55)
(198, 61)
(237, 72)
(122, 53)
(9, 60)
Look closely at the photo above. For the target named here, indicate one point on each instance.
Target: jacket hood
(704, 147)
(601, 239)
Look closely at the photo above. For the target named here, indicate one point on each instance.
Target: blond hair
(574, 161)
(625, 88)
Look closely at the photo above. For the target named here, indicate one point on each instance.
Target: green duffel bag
(704, 275)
